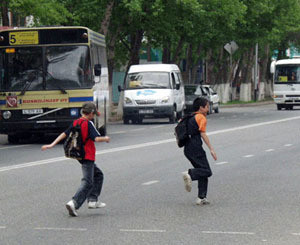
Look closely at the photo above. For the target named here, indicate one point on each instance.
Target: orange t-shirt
(201, 121)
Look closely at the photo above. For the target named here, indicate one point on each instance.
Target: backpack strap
(79, 123)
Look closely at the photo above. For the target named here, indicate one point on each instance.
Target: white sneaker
(71, 208)
(187, 181)
(203, 201)
(96, 204)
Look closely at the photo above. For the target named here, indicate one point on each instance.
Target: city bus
(286, 83)
(46, 74)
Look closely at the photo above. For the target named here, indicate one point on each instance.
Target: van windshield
(287, 74)
(148, 80)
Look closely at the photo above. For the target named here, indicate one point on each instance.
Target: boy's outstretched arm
(206, 140)
(102, 139)
(56, 141)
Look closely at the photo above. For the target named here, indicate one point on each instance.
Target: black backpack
(181, 131)
(74, 145)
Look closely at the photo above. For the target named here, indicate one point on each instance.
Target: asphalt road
(254, 191)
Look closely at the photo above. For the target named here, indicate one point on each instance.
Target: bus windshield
(148, 80)
(45, 68)
(287, 74)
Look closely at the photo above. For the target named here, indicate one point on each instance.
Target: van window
(140, 80)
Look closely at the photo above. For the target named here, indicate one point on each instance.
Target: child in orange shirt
(195, 153)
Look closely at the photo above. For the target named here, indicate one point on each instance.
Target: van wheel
(173, 118)
(210, 108)
(217, 110)
(279, 107)
(126, 120)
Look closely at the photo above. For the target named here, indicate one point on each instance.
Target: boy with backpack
(91, 183)
(194, 152)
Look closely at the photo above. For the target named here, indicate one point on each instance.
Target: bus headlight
(6, 115)
(277, 96)
(127, 100)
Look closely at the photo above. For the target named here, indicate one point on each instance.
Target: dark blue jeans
(91, 183)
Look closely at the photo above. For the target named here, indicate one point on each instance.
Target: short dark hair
(89, 107)
(199, 102)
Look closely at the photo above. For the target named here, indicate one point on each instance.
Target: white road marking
(9, 147)
(60, 229)
(247, 156)
(160, 126)
(296, 234)
(228, 232)
(2, 227)
(118, 132)
(221, 163)
(133, 230)
(138, 129)
(150, 182)
(269, 150)
(124, 148)
(253, 125)
(287, 145)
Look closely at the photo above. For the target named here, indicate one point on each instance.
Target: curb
(249, 104)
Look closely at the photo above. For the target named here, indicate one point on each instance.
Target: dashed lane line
(151, 182)
(59, 229)
(221, 163)
(287, 145)
(136, 230)
(228, 232)
(2, 227)
(248, 156)
(269, 150)
(124, 148)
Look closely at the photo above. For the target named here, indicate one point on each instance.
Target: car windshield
(287, 74)
(148, 80)
(45, 68)
(193, 90)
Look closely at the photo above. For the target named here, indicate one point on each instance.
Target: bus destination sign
(23, 38)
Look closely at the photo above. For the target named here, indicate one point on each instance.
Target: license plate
(32, 111)
(145, 111)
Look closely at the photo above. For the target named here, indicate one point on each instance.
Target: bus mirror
(272, 67)
(97, 70)
(177, 86)
(120, 88)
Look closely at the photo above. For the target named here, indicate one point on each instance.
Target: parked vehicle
(153, 90)
(192, 91)
(213, 98)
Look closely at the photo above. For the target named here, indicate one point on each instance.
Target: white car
(214, 99)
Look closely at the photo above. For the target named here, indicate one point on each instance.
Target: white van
(153, 90)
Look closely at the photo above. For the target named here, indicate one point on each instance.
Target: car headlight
(165, 99)
(6, 115)
(278, 96)
(127, 100)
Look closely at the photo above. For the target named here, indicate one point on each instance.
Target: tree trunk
(4, 11)
(246, 81)
(135, 46)
(166, 56)
(106, 20)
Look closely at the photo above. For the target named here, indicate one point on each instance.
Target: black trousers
(200, 172)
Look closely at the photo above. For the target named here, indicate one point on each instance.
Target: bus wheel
(12, 139)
